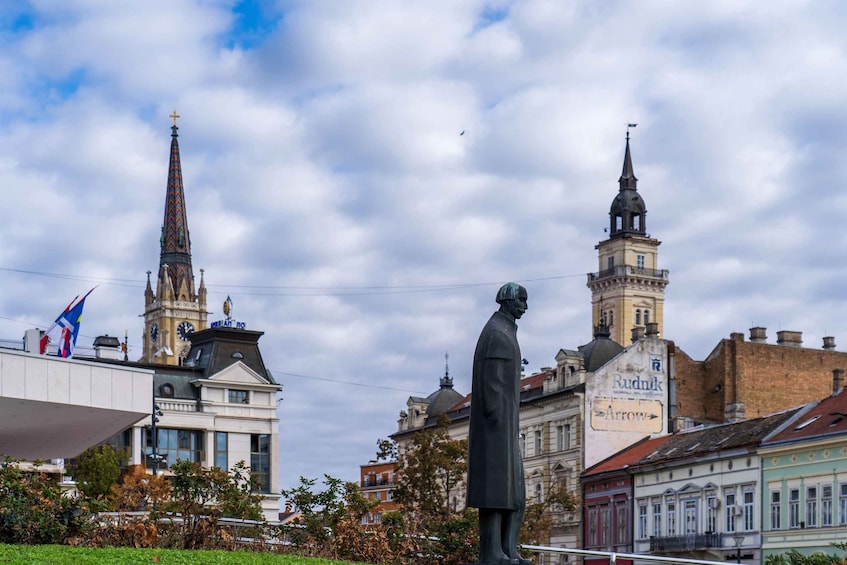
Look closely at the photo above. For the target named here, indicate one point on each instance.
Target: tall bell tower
(175, 310)
(628, 291)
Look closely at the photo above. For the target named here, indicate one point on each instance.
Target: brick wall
(768, 378)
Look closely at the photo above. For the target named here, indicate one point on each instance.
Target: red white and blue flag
(65, 329)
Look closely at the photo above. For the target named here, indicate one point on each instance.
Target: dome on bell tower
(628, 213)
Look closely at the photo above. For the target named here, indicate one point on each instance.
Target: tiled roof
(626, 457)
(718, 438)
(827, 417)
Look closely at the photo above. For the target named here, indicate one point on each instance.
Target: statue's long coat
(495, 468)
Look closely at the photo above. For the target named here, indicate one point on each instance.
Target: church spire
(628, 180)
(175, 240)
(628, 213)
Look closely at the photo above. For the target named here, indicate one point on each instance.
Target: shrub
(33, 509)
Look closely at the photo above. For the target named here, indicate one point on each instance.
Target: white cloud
(330, 157)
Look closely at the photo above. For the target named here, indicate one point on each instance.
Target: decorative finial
(228, 308)
(446, 381)
(628, 126)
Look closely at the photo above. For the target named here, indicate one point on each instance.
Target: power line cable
(345, 382)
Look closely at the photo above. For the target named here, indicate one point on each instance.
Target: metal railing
(613, 556)
(622, 270)
(686, 543)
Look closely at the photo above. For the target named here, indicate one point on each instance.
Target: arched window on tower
(638, 317)
(636, 222)
(618, 223)
(603, 319)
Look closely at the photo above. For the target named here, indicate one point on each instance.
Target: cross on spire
(175, 116)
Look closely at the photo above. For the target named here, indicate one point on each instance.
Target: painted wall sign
(625, 415)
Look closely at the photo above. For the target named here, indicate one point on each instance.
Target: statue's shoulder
(499, 337)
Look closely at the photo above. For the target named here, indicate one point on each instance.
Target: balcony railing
(622, 270)
(686, 543)
(376, 482)
(178, 405)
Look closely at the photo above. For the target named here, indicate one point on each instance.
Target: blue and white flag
(65, 329)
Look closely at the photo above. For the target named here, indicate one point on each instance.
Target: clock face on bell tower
(183, 329)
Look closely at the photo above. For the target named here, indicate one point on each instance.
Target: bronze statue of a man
(495, 467)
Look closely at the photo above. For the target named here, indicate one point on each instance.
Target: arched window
(603, 319)
(638, 317)
(611, 318)
(538, 493)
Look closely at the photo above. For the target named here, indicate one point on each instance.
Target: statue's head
(512, 299)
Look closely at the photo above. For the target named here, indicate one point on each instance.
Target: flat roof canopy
(53, 408)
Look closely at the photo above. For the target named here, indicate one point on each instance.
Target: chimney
(759, 334)
(32, 341)
(653, 329)
(789, 338)
(106, 347)
(736, 336)
(837, 381)
(829, 343)
(637, 333)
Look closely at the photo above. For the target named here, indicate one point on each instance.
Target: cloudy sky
(331, 194)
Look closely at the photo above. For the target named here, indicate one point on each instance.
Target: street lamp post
(739, 539)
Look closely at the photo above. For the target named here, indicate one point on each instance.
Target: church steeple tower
(628, 291)
(176, 309)
(175, 241)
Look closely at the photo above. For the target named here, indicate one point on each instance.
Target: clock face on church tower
(183, 329)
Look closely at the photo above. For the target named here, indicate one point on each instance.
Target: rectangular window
(812, 507)
(671, 518)
(690, 514)
(173, 445)
(604, 526)
(749, 521)
(794, 508)
(731, 509)
(522, 444)
(657, 519)
(560, 438)
(239, 396)
(642, 520)
(221, 448)
(639, 259)
(610, 262)
(712, 514)
(567, 437)
(621, 523)
(826, 506)
(592, 527)
(537, 442)
(776, 510)
(260, 461)
(842, 504)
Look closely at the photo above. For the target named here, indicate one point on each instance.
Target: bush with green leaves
(96, 471)
(34, 510)
(202, 496)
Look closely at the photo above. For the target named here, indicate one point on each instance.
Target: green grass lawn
(60, 554)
